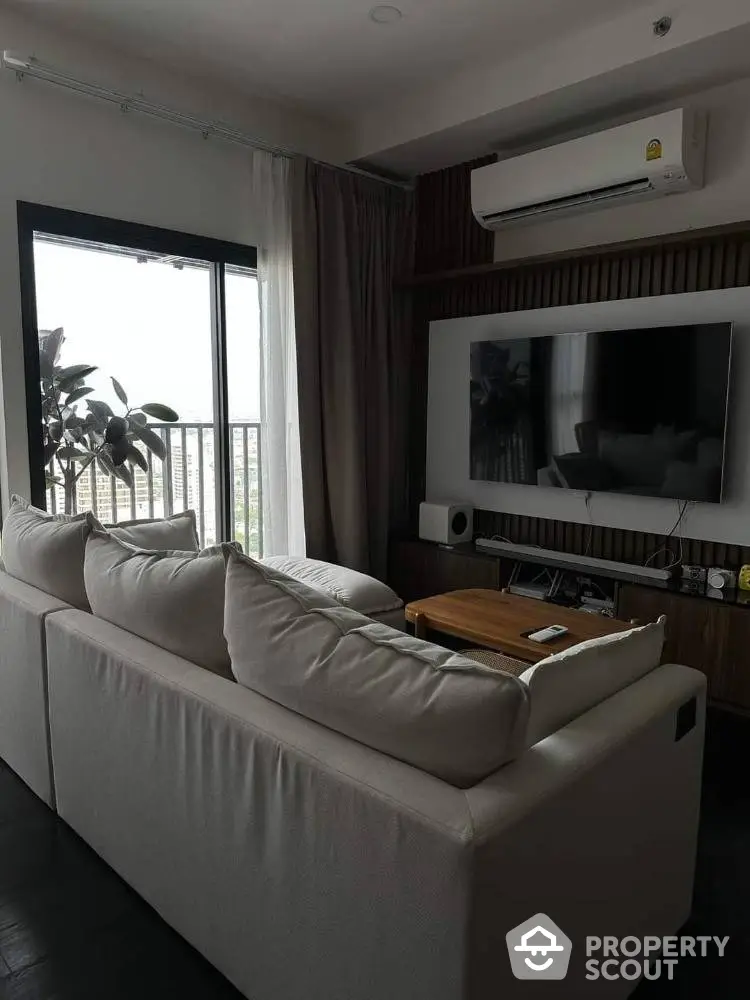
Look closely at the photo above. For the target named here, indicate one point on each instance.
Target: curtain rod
(24, 66)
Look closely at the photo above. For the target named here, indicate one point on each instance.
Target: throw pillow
(433, 709)
(173, 599)
(569, 683)
(178, 532)
(47, 550)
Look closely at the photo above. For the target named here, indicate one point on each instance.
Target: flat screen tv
(620, 411)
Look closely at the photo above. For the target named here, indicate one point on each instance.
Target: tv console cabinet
(704, 633)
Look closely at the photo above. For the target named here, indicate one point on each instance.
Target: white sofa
(303, 864)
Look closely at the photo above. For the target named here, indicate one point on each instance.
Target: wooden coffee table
(495, 619)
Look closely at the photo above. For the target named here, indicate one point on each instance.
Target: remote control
(548, 634)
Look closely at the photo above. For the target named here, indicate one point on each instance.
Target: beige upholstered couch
(305, 865)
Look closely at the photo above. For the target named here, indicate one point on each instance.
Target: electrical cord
(676, 556)
(590, 539)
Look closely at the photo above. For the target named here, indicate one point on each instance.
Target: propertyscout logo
(539, 949)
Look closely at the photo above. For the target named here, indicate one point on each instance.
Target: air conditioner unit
(644, 159)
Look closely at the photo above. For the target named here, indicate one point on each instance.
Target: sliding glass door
(136, 341)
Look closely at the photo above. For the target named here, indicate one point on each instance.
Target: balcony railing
(184, 480)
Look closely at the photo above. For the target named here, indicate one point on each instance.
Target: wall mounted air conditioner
(644, 159)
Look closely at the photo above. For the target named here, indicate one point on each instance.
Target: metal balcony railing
(184, 480)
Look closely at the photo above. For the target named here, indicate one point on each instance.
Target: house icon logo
(538, 949)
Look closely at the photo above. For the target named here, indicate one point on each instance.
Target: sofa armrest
(595, 826)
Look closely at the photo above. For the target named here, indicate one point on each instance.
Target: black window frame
(33, 218)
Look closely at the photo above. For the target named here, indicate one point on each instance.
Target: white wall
(448, 416)
(58, 148)
(724, 199)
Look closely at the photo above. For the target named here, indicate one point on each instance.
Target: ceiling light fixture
(384, 13)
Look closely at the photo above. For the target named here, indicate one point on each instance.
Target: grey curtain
(351, 237)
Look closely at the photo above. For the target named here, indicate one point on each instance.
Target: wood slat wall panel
(448, 236)
(691, 265)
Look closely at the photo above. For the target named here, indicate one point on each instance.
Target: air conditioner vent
(640, 186)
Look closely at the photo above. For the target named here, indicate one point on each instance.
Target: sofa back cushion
(46, 550)
(178, 532)
(424, 705)
(174, 599)
(569, 683)
(354, 590)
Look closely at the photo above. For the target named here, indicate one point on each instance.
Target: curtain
(352, 237)
(281, 473)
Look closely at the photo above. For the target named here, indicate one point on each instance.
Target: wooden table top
(496, 619)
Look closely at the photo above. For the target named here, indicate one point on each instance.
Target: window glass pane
(243, 376)
(145, 320)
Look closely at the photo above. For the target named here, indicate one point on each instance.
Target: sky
(149, 326)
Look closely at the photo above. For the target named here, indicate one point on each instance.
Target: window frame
(34, 218)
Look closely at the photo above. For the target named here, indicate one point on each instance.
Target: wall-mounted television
(639, 411)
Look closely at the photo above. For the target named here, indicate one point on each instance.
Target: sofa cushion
(569, 683)
(352, 589)
(47, 550)
(178, 532)
(173, 599)
(422, 704)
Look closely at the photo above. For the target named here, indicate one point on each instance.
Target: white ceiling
(325, 54)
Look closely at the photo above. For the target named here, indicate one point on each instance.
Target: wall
(448, 416)
(61, 149)
(725, 197)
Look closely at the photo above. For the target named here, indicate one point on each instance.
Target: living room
(276, 716)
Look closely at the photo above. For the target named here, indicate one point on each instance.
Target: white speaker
(449, 523)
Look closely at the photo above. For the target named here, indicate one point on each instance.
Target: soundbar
(566, 560)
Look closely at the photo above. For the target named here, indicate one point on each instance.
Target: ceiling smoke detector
(384, 13)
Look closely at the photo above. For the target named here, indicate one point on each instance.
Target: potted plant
(78, 431)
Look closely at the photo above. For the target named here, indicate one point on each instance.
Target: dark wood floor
(70, 929)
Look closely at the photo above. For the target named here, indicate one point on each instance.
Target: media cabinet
(702, 632)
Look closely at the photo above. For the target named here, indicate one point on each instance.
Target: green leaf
(138, 418)
(50, 344)
(72, 420)
(101, 411)
(117, 428)
(160, 412)
(79, 393)
(151, 439)
(124, 474)
(119, 451)
(55, 430)
(67, 377)
(121, 395)
(104, 458)
(69, 452)
(51, 480)
(136, 457)
(49, 451)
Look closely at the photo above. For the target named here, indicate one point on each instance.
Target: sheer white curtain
(281, 469)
